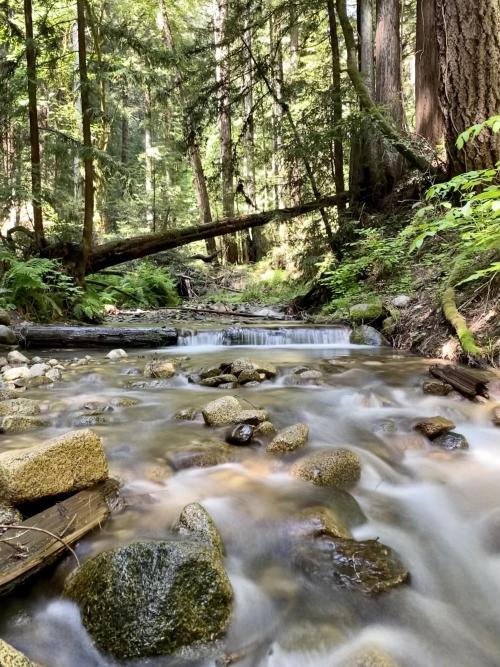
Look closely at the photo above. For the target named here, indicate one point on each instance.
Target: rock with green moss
(11, 657)
(289, 439)
(71, 462)
(333, 467)
(7, 336)
(4, 318)
(365, 312)
(152, 598)
(20, 423)
(367, 335)
(195, 522)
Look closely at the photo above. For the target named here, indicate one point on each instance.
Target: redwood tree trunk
(88, 163)
(429, 120)
(468, 37)
(222, 74)
(388, 90)
(36, 176)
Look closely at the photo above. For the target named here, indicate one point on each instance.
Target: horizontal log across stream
(67, 336)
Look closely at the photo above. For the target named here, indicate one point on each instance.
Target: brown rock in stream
(432, 427)
(334, 467)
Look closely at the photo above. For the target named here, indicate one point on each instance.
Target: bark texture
(429, 119)
(468, 36)
(338, 148)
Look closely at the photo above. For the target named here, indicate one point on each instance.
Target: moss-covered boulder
(11, 657)
(152, 598)
(195, 522)
(289, 439)
(367, 335)
(71, 462)
(7, 336)
(365, 312)
(334, 467)
(4, 318)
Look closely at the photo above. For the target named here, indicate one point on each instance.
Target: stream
(439, 510)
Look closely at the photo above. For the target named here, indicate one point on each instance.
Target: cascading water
(266, 336)
(439, 510)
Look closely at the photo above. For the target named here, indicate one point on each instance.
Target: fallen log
(40, 540)
(465, 382)
(66, 336)
(232, 313)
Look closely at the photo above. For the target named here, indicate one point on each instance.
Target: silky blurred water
(439, 510)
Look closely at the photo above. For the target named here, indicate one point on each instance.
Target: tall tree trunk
(255, 239)
(77, 181)
(200, 183)
(429, 121)
(276, 53)
(36, 176)
(294, 38)
(363, 165)
(388, 89)
(338, 148)
(148, 162)
(469, 57)
(222, 74)
(88, 162)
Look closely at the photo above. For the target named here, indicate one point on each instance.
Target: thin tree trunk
(200, 184)
(255, 239)
(276, 54)
(388, 89)
(469, 57)
(77, 181)
(429, 119)
(88, 216)
(222, 74)
(294, 38)
(338, 148)
(148, 162)
(36, 176)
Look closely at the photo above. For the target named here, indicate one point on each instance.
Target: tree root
(457, 321)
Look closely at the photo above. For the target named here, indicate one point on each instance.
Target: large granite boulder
(71, 462)
(222, 411)
(152, 598)
(10, 657)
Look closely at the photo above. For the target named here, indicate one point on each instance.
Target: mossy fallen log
(459, 324)
(39, 541)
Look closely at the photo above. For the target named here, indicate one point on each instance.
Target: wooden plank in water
(66, 336)
(465, 382)
(23, 552)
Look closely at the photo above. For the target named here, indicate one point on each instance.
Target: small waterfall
(266, 336)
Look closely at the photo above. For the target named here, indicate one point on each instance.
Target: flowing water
(439, 510)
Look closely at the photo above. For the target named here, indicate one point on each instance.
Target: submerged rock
(241, 434)
(319, 521)
(20, 406)
(369, 566)
(71, 462)
(370, 657)
(335, 467)
(185, 414)
(152, 598)
(267, 369)
(289, 439)
(436, 388)
(195, 522)
(21, 423)
(431, 427)
(253, 417)
(366, 335)
(265, 428)
(11, 657)
(159, 369)
(210, 454)
(222, 411)
(451, 441)
(495, 415)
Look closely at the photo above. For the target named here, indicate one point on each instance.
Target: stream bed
(439, 510)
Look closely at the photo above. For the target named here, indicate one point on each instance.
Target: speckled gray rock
(433, 426)
(54, 375)
(210, 454)
(222, 411)
(70, 462)
(289, 439)
(7, 394)
(269, 370)
(253, 417)
(152, 598)
(249, 376)
(334, 467)
(159, 369)
(451, 441)
(16, 357)
(317, 520)
(370, 657)
(367, 335)
(242, 364)
(195, 522)
(21, 423)
(115, 355)
(20, 406)
(7, 336)
(38, 370)
(12, 374)
(124, 402)
(216, 380)
(10, 657)
(436, 388)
